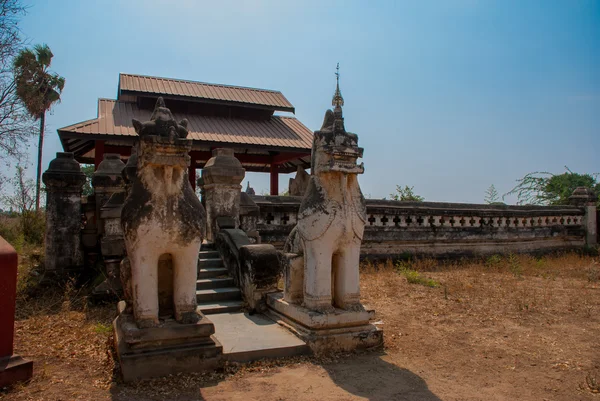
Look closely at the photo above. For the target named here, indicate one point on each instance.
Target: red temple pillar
(13, 368)
(98, 153)
(192, 172)
(274, 179)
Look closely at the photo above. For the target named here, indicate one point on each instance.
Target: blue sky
(448, 96)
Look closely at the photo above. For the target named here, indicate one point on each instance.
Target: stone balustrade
(396, 228)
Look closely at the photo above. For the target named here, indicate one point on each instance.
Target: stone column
(221, 178)
(64, 181)
(586, 198)
(109, 190)
(107, 180)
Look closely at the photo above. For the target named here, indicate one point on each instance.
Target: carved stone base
(14, 369)
(340, 330)
(167, 349)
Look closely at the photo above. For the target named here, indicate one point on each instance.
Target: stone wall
(396, 229)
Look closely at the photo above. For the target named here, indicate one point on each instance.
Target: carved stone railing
(442, 229)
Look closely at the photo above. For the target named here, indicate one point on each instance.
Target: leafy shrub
(413, 276)
(493, 261)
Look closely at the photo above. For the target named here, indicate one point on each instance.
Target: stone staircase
(215, 289)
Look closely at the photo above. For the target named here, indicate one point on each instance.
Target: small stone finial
(582, 196)
(338, 100)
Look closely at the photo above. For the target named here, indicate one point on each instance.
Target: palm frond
(43, 54)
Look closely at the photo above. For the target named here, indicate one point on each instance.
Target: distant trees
(406, 194)
(88, 170)
(38, 89)
(30, 222)
(15, 124)
(543, 188)
(491, 196)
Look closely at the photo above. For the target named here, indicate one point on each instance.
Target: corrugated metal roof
(114, 119)
(224, 93)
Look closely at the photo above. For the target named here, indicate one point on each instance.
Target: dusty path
(529, 330)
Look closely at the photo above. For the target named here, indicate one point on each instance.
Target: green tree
(543, 188)
(406, 194)
(88, 170)
(491, 195)
(38, 89)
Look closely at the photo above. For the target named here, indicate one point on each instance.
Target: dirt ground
(507, 328)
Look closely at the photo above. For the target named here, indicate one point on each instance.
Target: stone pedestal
(221, 179)
(338, 330)
(64, 181)
(13, 368)
(169, 348)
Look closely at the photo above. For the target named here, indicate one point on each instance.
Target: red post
(274, 179)
(98, 153)
(192, 173)
(13, 368)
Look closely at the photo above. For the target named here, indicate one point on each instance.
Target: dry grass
(515, 313)
(511, 327)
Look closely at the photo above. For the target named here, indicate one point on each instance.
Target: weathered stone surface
(162, 216)
(221, 178)
(255, 268)
(112, 243)
(107, 180)
(298, 185)
(447, 230)
(163, 225)
(249, 214)
(583, 196)
(339, 330)
(248, 337)
(321, 298)
(168, 349)
(64, 181)
(331, 220)
(586, 198)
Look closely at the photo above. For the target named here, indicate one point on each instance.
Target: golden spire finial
(338, 100)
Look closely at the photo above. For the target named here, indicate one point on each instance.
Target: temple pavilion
(219, 116)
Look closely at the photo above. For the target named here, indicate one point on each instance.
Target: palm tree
(38, 89)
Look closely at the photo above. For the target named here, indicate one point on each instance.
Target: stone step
(210, 272)
(212, 262)
(210, 308)
(208, 283)
(218, 294)
(207, 246)
(209, 255)
(248, 338)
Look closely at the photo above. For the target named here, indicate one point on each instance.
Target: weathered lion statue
(161, 217)
(330, 226)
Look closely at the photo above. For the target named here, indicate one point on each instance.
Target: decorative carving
(161, 216)
(161, 123)
(331, 220)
